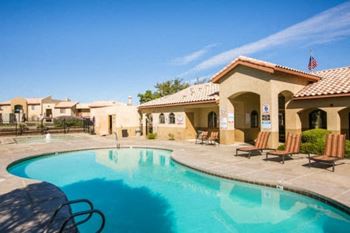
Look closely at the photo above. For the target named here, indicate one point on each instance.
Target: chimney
(129, 100)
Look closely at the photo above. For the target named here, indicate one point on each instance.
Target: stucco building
(115, 117)
(250, 95)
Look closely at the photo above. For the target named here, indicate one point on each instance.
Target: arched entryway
(212, 120)
(345, 122)
(247, 115)
(149, 123)
(313, 118)
(284, 98)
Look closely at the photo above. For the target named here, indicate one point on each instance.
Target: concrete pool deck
(26, 205)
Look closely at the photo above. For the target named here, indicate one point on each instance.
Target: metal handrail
(90, 213)
(68, 203)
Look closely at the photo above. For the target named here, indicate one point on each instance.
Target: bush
(281, 147)
(313, 141)
(171, 136)
(347, 149)
(314, 135)
(69, 121)
(151, 136)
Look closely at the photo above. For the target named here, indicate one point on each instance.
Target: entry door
(110, 124)
(48, 115)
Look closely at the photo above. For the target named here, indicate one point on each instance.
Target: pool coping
(308, 193)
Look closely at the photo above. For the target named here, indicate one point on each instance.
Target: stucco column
(143, 120)
(292, 121)
(269, 99)
(227, 127)
(333, 119)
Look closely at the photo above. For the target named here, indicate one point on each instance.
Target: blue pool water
(143, 191)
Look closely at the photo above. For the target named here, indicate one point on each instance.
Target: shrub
(313, 141)
(171, 136)
(69, 121)
(347, 149)
(151, 136)
(314, 135)
(281, 147)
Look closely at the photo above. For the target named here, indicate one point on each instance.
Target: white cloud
(184, 60)
(329, 25)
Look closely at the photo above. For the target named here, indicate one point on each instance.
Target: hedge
(68, 121)
(313, 142)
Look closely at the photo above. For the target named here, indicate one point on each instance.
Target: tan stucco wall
(123, 117)
(183, 128)
(68, 112)
(267, 86)
(336, 108)
(34, 111)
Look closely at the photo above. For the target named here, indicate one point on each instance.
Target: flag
(312, 63)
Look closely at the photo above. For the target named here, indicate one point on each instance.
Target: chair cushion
(324, 158)
(279, 152)
(248, 148)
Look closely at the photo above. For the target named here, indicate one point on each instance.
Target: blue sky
(89, 50)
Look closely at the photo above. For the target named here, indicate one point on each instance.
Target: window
(254, 119)
(171, 118)
(62, 110)
(161, 118)
(212, 120)
(318, 119)
(33, 107)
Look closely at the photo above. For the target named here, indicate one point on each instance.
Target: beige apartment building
(108, 116)
(115, 117)
(29, 109)
(250, 95)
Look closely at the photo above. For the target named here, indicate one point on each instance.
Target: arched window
(254, 119)
(318, 119)
(161, 118)
(171, 118)
(212, 120)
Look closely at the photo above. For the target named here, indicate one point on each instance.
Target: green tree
(163, 89)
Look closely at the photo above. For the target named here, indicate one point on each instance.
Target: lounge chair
(292, 146)
(334, 150)
(213, 138)
(260, 144)
(202, 137)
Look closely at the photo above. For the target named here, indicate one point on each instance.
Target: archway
(212, 120)
(345, 122)
(313, 118)
(149, 123)
(284, 98)
(246, 116)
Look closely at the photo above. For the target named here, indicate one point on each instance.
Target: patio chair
(292, 146)
(213, 138)
(202, 136)
(260, 144)
(334, 150)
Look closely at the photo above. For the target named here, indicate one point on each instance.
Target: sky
(90, 50)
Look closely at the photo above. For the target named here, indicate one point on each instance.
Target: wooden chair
(292, 146)
(213, 138)
(202, 136)
(334, 150)
(260, 144)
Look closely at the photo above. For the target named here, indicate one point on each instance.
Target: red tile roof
(264, 66)
(200, 93)
(334, 82)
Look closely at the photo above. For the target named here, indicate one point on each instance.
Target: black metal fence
(61, 126)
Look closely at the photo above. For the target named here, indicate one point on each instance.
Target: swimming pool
(144, 191)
